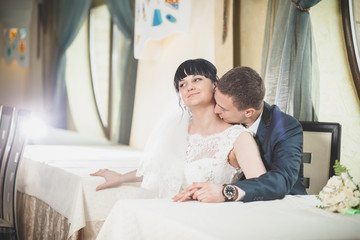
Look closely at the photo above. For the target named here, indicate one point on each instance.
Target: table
(54, 179)
(294, 217)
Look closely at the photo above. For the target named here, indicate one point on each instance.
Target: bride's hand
(112, 178)
(184, 195)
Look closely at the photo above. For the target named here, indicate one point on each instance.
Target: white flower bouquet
(341, 194)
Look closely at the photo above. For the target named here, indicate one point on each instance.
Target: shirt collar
(254, 127)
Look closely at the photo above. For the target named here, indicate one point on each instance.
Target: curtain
(121, 14)
(61, 22)
(289, 62)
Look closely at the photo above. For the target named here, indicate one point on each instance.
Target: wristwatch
(229, 192)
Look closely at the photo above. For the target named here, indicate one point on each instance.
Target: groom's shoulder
(274, 116)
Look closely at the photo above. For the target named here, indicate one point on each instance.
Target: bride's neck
(205, 122)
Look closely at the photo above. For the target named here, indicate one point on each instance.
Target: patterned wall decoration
(15, 46)
(156, 19)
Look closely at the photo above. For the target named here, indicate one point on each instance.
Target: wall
(252, 27)
(338, 98)
(21, 86)
(12, 85)
(223, 49)
(155, 93)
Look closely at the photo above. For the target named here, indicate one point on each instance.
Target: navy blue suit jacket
(280, 138)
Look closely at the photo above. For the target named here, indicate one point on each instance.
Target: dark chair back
(322, 142)
(17, 144)
(6, 122)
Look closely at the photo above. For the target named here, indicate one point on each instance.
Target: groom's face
(226, 109)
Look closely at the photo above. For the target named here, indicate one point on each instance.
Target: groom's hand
(203, 192)
(207, 192)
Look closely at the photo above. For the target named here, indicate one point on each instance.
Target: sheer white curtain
(289, 62)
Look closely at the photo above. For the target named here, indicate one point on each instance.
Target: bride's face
(196, 90)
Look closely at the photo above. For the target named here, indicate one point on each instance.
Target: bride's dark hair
(197, 66)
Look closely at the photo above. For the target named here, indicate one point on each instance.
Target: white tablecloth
(59, 176)
(294, 217)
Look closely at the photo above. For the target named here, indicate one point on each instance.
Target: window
(105, 41)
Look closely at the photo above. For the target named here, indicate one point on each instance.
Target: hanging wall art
(15, 46)
(156, 19)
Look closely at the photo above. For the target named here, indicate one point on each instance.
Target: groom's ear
(249, 112)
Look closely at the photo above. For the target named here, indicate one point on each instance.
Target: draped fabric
(289, 63)
(161, 167)
(121, 14)
(38, 220)
(62, 22)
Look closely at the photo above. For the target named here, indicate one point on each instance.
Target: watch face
(229, 191)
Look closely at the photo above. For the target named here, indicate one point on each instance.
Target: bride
(194, 145)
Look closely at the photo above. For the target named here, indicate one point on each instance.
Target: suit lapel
(264, 122)
(262, 137)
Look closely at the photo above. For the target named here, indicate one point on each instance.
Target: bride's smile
(195, 89)
(192, 94)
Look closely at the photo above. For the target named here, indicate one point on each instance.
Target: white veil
(162, 167)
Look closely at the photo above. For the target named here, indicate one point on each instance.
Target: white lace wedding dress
(206, 158)
(174, 159)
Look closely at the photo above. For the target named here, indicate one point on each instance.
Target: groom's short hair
(245, 86)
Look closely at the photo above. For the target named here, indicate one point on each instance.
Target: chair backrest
(6, 118)
(18, 141)
(6, 124)
(322, 142)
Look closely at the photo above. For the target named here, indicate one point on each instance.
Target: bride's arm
(248, 156)
(113, 179)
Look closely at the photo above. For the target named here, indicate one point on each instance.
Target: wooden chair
(17, 141)
(322, 142)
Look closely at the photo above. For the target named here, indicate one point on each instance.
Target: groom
(240, 99)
